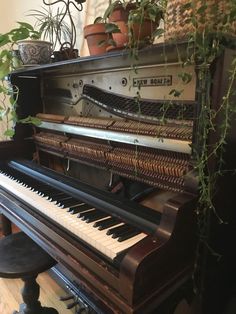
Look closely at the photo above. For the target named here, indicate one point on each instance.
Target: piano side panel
(145, 270)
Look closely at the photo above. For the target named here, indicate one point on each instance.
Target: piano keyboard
(109, 235)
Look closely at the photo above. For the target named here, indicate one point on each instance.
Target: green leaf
(3, 90)
(98, 19)
(112, 28)
(12, 100)
(4, 39)
(175, 92)
(3, 113)
(4, 69)
(111, 42)
(20, 34)
(9, 132)
(186, 77)
(202, 9)
(26, 25)
(102, 43)
(30, 120)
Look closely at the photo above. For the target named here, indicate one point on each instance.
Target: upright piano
(106, 182)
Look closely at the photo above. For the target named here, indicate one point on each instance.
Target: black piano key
(121, 230)
(79, 209)
(71, 202)
(96, 217)
(55, 194)
(38, 185)
(115, 229)
(127, 235)
(106, 223)
(86, 214)
(45, 191)
(89, 214)
(61, 198)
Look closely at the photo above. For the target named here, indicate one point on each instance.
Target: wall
(15, 10)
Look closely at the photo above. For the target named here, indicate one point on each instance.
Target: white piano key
(83, 230)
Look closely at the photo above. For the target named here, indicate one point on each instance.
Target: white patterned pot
(35, 51)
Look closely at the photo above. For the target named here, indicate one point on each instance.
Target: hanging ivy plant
(10, 61)
(208, 27)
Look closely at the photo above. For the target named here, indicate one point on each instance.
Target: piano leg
(30, 294)
(6, 225)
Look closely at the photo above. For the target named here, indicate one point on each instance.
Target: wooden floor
(50, 291)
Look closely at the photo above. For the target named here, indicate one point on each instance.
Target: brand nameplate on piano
(153, 81)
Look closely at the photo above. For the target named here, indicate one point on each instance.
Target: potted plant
(137, 20)
(99, 36)
(32, 50)
(54, 28)
(126, 24)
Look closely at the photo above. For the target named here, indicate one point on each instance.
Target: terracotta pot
(35, 51)
(119, 16)
(120, 13)
(94, 34)
(144, 30)
(121, 39)
(141, 31)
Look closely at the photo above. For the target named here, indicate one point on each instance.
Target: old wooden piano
(105, 183)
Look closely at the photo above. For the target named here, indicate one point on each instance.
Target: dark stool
(20, 257)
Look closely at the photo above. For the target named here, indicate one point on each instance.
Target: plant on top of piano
(67, 50)
(132, 23)
(99, 36)
(9, 61)
(50, 26)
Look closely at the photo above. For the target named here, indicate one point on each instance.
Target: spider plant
(52, 26)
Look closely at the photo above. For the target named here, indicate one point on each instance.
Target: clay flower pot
(140, 32)
(119, 16)
(95, 34)
(35, 51)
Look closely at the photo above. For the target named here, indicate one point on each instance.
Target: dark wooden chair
(20, 257)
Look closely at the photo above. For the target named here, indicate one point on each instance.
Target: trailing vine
(207, 44)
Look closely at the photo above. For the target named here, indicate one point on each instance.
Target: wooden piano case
(89, 135)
